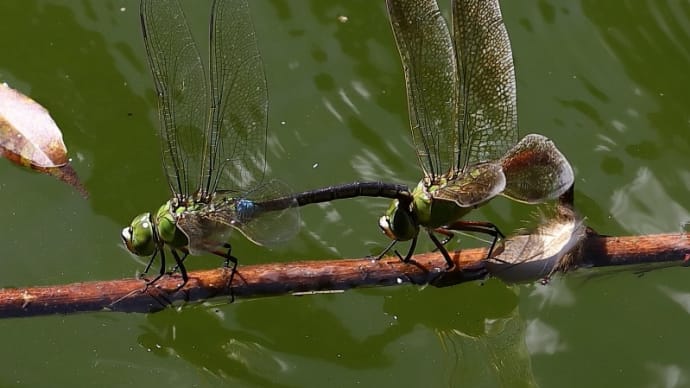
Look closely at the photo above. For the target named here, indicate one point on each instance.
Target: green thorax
(166, 224)
(167, 215)
(432, 212)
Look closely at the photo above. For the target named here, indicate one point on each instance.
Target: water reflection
(682, 298)
(584, 108)
(542, 338)
(651, 39)
(366, 83)
(201, 339)
(481, 342)
(497, 357)
(645, 206)
(668, 375)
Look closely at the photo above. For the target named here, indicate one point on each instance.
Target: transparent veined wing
(182, 91)
(275, 222)
(476, 185)
(487, 105)
(208, 228)
(426, 51)
(239, 119)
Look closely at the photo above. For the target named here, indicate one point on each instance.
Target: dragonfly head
(139, 235)
(399, 222)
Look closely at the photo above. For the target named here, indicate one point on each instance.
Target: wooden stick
(252, 281)
(657, 248)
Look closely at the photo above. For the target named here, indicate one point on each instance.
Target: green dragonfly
(213, 140)
(463, 114)
(213, 137)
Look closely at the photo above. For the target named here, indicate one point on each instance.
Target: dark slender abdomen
(344, 191)
(352, 190)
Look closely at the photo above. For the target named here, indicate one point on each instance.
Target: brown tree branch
(252, 281)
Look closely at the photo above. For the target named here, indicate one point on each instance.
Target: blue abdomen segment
(246, 210)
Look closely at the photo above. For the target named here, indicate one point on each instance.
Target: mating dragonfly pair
(463, 114)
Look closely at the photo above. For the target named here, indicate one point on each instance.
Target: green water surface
(606, 80)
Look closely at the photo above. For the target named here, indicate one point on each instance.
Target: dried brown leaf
(29, 137)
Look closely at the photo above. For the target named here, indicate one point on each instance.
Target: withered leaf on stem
(29, 137)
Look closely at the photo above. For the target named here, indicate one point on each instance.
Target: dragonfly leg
(407, 257)
(229, 258)
(161, 271)
(448, 236)
(388, 248)
(410, 252)
(177, 267)
(180, 265)
(479, 227)
(148, 266)
(449, 262)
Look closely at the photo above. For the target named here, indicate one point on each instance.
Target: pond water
(607, 81)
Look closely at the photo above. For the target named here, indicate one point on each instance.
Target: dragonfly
(213, 133)
(461, 98)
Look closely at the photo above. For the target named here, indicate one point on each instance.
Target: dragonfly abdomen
(246, 210)
(351, 190)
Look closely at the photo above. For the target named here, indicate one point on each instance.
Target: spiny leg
(180, 265)
(446, 232)
(410, 252)
(228, 259)
(479, 227)
(388, 248)
(177, 267)
(442, 249)
(161, 272)
(148, 266)
(407, 257)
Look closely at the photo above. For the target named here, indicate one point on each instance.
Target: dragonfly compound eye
(138, 237)
(385, 225)
(399, 225)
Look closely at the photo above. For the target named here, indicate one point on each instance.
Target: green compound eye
(138, 237)
(398, 224)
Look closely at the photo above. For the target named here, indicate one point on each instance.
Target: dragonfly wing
(276, 218)
(426, 51)
(236, 144)
(536, 170)
(487, 105)
(181, 88)
(205, 231)
(268, 218)
(474, 186)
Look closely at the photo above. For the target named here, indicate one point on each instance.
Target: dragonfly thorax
(431, 182)
(402, 222)
(166, 224)
(432, 211)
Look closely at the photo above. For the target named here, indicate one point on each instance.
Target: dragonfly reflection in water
(213, 137)
(463, 115)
